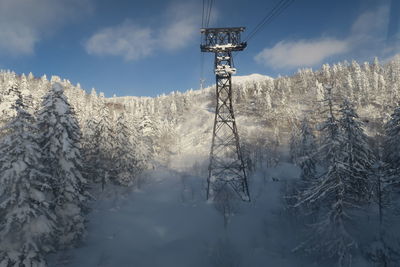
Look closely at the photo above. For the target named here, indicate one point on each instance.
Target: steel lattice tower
(226, 160)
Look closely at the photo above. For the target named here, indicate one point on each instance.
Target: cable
(276, 11)
(206, 7)
(208, 10)
(205, 18)
(205, 22)
(202, 80)
(209, 15)
(202, 15)
(268, 15)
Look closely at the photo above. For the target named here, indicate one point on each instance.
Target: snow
(223, 58)
(168, 223)
(41, 225)
(195, 132)
(255, 77)
(57, 87)
(224, 70)
(223, 47)
(37, 195)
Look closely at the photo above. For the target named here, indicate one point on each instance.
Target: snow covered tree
(142, 149)
(331, 193)
(358, 154)
(128, 165)
(27, 225)
(89, 149)
(167, 142)
(294, 145)
(99, 144)
(307, 152)
(60, 144)
(384, 250)
(8, 98)
(391, 148)
(149, 129)
(272, 149)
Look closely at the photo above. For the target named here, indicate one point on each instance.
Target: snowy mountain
(267, 109)
(328, 137)
(260, 100)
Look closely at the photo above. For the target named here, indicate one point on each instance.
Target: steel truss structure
(226, 161)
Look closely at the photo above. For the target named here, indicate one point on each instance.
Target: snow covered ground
(168, 223)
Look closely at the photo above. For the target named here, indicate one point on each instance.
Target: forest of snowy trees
(340, 125)
(46, 172)
(347, 190)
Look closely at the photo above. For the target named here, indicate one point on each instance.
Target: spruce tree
(27, 227)
(385, 249)
(331, 194)
(307, 152)
(142, 150)
(7, 100)
(99, 142)
(60, 144)
(294, 144)
(88, 147)
(127, 163)
(391, 149)
(358, 154)
(149, 129)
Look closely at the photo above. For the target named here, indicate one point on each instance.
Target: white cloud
(23, 23)
(369, 32)
(132, 41)
(126, 40)
(177, 35)
(371, 22)
(365, 39)
(182, 27)
(301, 53)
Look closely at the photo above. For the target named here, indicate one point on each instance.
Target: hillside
(144, 162)
(278, 104)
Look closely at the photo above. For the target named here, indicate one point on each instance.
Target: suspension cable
(209, 13)
(202, 14)
(208, 8)
(278, 9)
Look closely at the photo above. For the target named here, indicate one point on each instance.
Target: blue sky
(146, 48)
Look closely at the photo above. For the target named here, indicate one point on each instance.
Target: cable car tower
(226, 161)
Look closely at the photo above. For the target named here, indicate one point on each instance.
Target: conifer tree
(27, 227)
(142, 149)
(357, 152)
(99, 145)
(294, 144)
(149, 129)
(331, 194)
(384, 250)
(62, 155)
(7, 100)
(127, 163)
(307, 152)
(391, 149)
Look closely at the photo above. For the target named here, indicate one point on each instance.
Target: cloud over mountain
(133, 41)
(366, 36)
(24, 23)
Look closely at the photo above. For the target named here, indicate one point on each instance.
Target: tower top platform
(222, 39)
